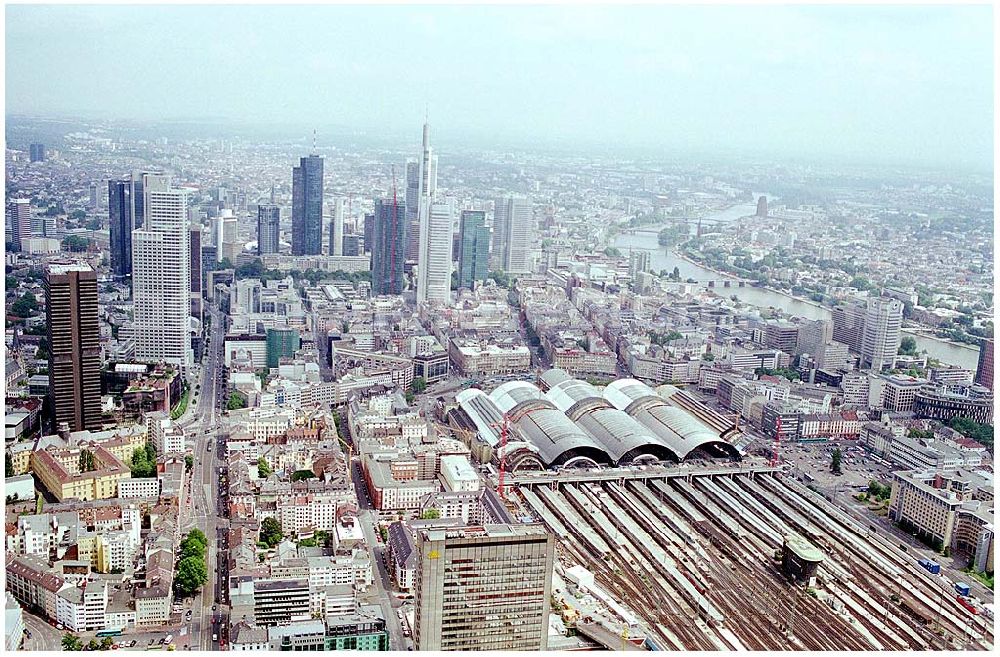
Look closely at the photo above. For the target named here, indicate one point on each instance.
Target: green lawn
(181, 405)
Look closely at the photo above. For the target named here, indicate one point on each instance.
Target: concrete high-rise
(434, 264)
(36, 152)
(307, 206)
(337, 228)
(388, 247)
(268, 228)
(225, 236)
(882, 333)
(412, 209)
(473, 248)
(849, 324)
(762, 206)
(74, 345)
(984, 371)
(19, 212)
(161, 275)
(512, 233)
(483, 588)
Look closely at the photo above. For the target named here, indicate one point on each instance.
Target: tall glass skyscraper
(473, 248)
(120, 226)
(307, 206)
(268, 221)
(389, 248)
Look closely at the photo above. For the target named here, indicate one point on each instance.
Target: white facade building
(434, 261)
(161, 276)
(512, 233)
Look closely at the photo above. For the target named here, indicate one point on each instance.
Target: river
(664, 258)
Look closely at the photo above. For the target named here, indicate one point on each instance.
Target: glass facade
(474, 248)
(307, 206)
(389, 248)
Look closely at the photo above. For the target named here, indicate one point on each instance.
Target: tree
(194, 545)
(612, 252)
(236, 400)
(299, 475)
(75, 243)
(263, 469)
(71, 642)
(191, 574)
(106, 643)
(270, 532)
(8, 466)
(26, 306)
(676, 274)
(144, 462)
(92, 645)
(189, 463)
(835, 461)
(708, 356)
(419, 384)
(409, 396)
(908, 346)
(86, 463)
(981, 433)
(430, 514)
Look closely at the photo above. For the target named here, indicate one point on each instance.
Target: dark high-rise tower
(984, 371)
(120, 225)
(268, 220)
(196, 278)
(762, 206)
(389, 248)
(307, 206)
(74, 345)
(473, 248)
(369, 232)
(36, 152)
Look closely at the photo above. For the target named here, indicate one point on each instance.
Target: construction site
(736, 557)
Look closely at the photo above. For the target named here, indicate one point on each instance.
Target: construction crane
(504, 426)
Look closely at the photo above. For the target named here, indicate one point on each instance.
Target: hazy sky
(866, 83)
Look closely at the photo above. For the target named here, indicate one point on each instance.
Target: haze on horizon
(897, 84)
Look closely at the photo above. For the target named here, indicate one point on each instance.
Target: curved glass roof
(512, 393)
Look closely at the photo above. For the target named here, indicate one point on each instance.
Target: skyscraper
(421, 183)
(74, 345)
(882, 333)
(138, 198)
(483, 588)
(512, 228)
(268, 228)
(225, 236)
(19, 211)
(337, 228)
(369, 231)
(762, 206)
(195, 249)
(473, 248)
(434, 264)
(389, 247)
(984, 371)
(36, 152)
(351, 245)
(120, 225)
(849, 324)
(161, 275)
(307, 206)
(412, 209)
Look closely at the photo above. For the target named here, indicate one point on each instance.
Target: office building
(268, 229)
(74, 345)
(473, 248)
(984, 371)
(849, 324)
(434, 263)
(762, 206)
(161, 275)
(225, 236)
(36, 152)
(813, 334)
(389, 247)
(638, 261)
(337, 228)
(307, 206)
(282, 343)
(19, 213)
(512, 229)
(196, 282)
(882, 333)
(120, 227)
(351, 245)
(369, 235)
(483, 588)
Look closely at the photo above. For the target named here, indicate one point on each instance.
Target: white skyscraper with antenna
(436, 220)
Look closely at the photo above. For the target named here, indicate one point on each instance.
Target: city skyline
(857, 81)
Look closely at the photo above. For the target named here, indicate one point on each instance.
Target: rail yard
(694, 557)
